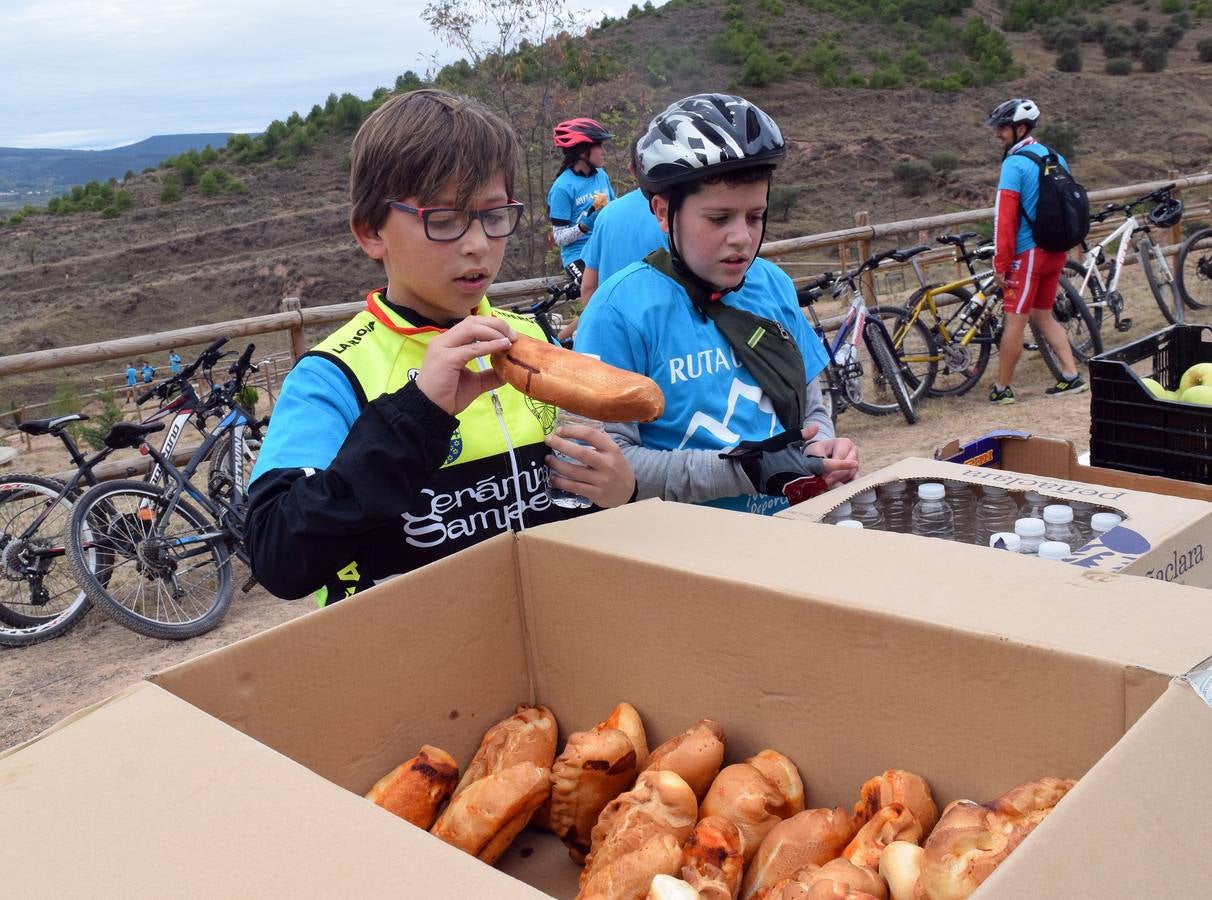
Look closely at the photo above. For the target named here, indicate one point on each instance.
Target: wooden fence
(851, 245)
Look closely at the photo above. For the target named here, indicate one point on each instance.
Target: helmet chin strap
(683, 269)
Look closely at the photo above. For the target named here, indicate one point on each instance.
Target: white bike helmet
(1014, 112)
(704, 135)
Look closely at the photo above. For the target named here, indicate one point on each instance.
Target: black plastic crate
(1132, 430)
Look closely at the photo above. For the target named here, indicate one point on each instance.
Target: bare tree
(518, 48)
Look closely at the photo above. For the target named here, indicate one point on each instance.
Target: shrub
(1069, 60)
(1060, 136)
(887, 76)
(1204, 48)
(1171, 6)
(1154, 58)
(209, 185)
(170, 189)
(914, 65)
(1093, 32)
(1121, 41)
(914, 178)
(110, 212)
(1171, 34)
(1119, 65)
(93, 433)
(783, 199)
(1059, 36)
(943, 161)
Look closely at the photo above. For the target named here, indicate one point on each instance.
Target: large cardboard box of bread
(241, 773)
(1167, 529)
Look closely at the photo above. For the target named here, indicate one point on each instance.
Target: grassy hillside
(883, 105)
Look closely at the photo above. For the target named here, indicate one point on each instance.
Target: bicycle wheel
(881, 378)
(1161, 280)
(1195, 270)
(1073, 275)
(169, 574)
(1071, 312)
(915, 349)
(39, 597)
(218, 473)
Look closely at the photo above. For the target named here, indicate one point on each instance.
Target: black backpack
(1062, 215)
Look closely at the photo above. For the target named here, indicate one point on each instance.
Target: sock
(1069, 376)
(999, 387)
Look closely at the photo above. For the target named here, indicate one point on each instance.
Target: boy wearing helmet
(580, 190)
(394, 444)
(745, 426)
(1028, 274)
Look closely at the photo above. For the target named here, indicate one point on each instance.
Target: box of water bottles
(1101, 528)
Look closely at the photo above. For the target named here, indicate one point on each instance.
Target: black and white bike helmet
(1167, 213)
(704, 135)
(1014, 112)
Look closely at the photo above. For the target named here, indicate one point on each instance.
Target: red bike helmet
(575, 132)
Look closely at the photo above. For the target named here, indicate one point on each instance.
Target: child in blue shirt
(580, 190)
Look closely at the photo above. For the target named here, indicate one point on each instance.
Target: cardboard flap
(143, 797)
(1135, 825)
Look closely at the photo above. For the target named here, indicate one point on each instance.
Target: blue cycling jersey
(624, 232)
(570, 196)
(1022, 176)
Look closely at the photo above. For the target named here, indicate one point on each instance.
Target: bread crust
(893, 822)
(696, 754)
(486, 816)
(753, 801)
(578, 383)
(416, 789)
(713, 859)
(896, 786)
(812, 837)
(529, 735)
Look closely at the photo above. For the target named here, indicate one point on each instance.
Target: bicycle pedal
(1123, 324)
(1030, 345)
(248, 585)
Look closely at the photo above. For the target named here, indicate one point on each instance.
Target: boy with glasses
(393, 443)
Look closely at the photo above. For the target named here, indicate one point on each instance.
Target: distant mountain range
(36, 175)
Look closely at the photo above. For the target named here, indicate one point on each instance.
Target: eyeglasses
(446, 224)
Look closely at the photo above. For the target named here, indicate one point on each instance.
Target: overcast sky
(93, 74)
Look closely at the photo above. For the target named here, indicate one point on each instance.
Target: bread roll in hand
(578, 383)
(416, 789)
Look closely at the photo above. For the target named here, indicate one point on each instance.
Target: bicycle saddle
(130, 434)
(957, 239)
(52, 425)
(909, 253)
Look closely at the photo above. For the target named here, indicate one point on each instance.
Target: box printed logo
(1114, 550)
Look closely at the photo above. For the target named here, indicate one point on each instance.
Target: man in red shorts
(1027, 274)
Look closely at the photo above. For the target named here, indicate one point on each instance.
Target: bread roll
(630, 876)
(416, 789)
(696, 754)
(971, 839)
(896, 786)
(890, 823)
(485, 816)
(713, 858)
(529, 735)
(660, 803)
(594, 768)
(578, 383)
(666, 887)
(754, 802)
(844, 878)
(901, 866)
(811, 837)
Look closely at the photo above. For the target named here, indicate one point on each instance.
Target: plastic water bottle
(1053, 550)
(865, 508)
(1033, 505)
(1103, 522)
(837, 514)
(1006, 540)
(996, 510)
(850, 523)
(1058, 524)
(963, 506)
(932, 515)
(896, 506)
(1030, 531)
(1083, 510)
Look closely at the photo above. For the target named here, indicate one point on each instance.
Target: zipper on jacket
(513, 459)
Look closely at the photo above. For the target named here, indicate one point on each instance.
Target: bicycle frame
(1090, 259)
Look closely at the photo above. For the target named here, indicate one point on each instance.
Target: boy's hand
(604, 477)
(444, 377)
(840, 456)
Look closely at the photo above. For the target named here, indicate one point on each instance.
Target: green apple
(1200, 373)
(1198, 393)
(1156, 389)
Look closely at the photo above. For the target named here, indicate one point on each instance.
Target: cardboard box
(239, 773)
(1166, 536)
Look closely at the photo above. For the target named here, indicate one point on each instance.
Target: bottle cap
(1105, 521)
(1053, 550)
(867, 496)
(1005, 540)
(1083, 506)
(931, 490)
(1058, 514)
(849, 523)
(1029, 527)
(1033, 497)
(893, 487)
(992, 490)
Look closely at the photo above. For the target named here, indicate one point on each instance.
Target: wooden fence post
(1174, 234)
(861, 220)
(298, 345)
(22, 416)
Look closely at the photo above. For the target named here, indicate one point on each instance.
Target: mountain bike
(862, 370)
(1095, 277)
(966, 327)
(38, 599)
(1194, 266)
(542, 310)
(166, 568)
